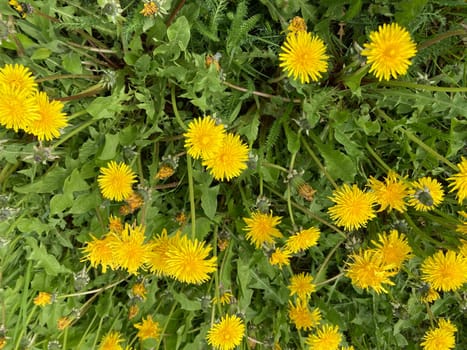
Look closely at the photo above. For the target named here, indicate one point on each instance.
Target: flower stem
(73, 133)
(191, 191)
(261, 94)
(317, 161)
(175, 109)
(411, 85)
(377, 158)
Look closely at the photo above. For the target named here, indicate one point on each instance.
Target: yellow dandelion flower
(389, 194)
(280, 257)
(261, 228)
(463, 248)
(327, 337)
(115, 181)
(302, 317)
(19, 77)
(306, 192)
(100, 252)
(139, 290)
(43, 299)
(227, 333)
(389, 51)
(462, 227)
(425, 194)
(394, 248)
(148, 329)
(441, 337)
(204, 138)
(445, 272)
(302, 285)
(297, 24)
(164, 172)
(18, 109)
(111, 341)
(134, 201)
(150, 8)
(159, 253)
(366, 270)
(188, 262)
(115, 224)
(430, 295)
(51, 118)
(303, 56)
(224, 299)
(229, 160)
(130, 251)
(353, 208)
(303, 240)
(347, 347)
(133, 311)
(459, 181)
(63, 323)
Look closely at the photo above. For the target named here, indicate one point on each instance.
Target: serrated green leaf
(48, 183)
(110, 147)
(43, 259)
(29, 225)
(41, 54)
(74, 183)
(72, 63)
(209, 200)
(185, 303)
(179, 32)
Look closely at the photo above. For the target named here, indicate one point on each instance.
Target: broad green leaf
(339, 165)
(85, 203)
(41, 54)
(110, 147)
(74, 183)
(179, 32)
(48, 183)
(43, 259)
(72, 63)
(293, 141)
(209, 200)
(60, 202)
(29, 225)
(185, 303)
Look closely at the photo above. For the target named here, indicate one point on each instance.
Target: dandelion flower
(150, 8)
(389, 194)
(425, 194)
(353, 208)
(227, 333)
(204, 137)
(445, 272)
(159, 253)
(327, 337)
(280, 257)
(261, 228)
(18, 109)
(462, 227)
(115, 224)
(100, 252)
(297, 24)
(63, 323)
(18, 77)
(130, 251)
(303, 56)
(366, 270)
(430, 295)
(224, 299)
(43, 299)
(229, 160)
(302, 285)
(164, 172)
(148, 329)
(188, 262)
(111, 341)
(441, 337)
(139, 290)
(389, 51)
(393, 248)
(303, 240)
(115, 181)
(459, 181)
(302, 317)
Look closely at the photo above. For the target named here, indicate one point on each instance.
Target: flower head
(353, 208)
(43, 299)
(204, 137)
(441, 337)
(303, 240)
(280, 257)
(229, 160)
(139, 290)
(430, 295)
(51, 118)
(389, 51)
(459, 181)
(389, 194)
(327, 337)
(393, 248)
(188, 262)
(148, 329)
(367, 270)
(115, 224)
(462, 227)
(224, 298)
(297, 24)
(261, 228)
(227, 333)
(18, 109)
(302, 285)
(111, 341)
(302, 317)
(18, 77)
(303, 56)
(115, 181)
(100, 252)
(425, 194)
(445, 272)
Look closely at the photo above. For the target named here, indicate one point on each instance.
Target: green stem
(175, 109)
(330, 279)
(6, 172)
(274, 166)
(410, 85)
(73, 133)
(28, 319)
(94, 291)
(317, 161)
(440, 37)
(289, 187)
(166, 324)
(326, 262)
(191, 191)
(377, 158)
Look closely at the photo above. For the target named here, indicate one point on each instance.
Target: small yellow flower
(445, 272)
(134, 201)
(159, 254)
(393, 248)
(111, 341)
(115, 224)
(425, 194)
(100, 252)
(43, 299)
(261, 228)
(459, 181)
(115, 181)
(441, 337)
(204, 137)
(139, 290)
(302, 317)
(18, 108)
(353, 208)
(302, 285)
(18, 77)
(224, 299)
(366, 270)
(148, 329)
(63, 323)
(150, 8)
(430, 295)
(133, 311)
(303, 240)
(462, 227)
(389, 51)
(389, 194)
(165, 171)
(326, 338)
(303, 56)
(229, 160)
(280, 257)
(227, 333)
(297, 24)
